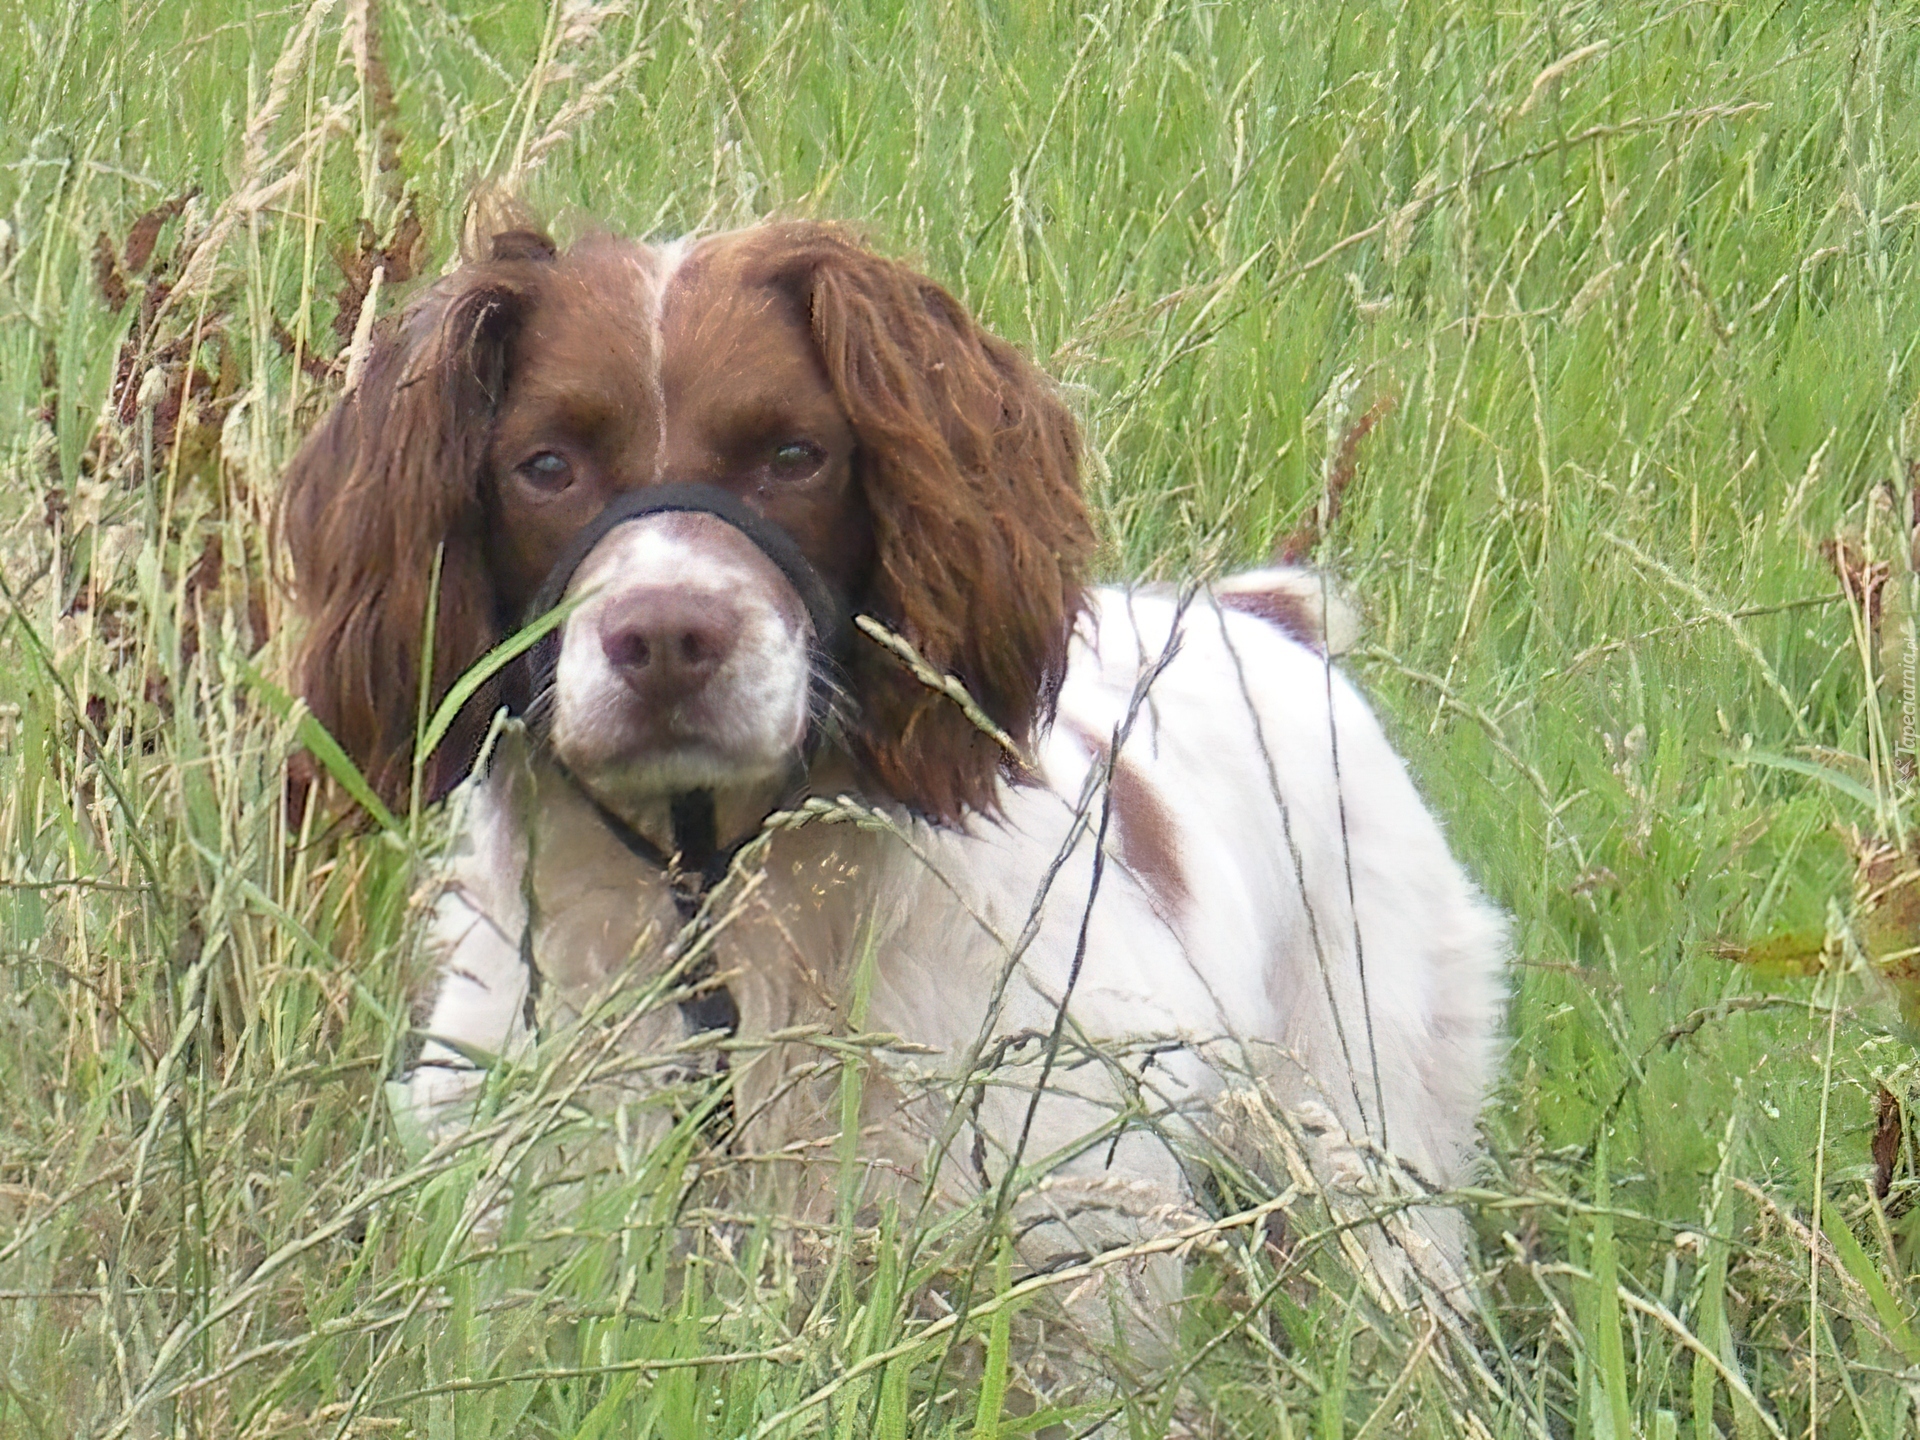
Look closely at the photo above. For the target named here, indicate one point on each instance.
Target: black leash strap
(696, 836)
(702, 865)
(696, 865)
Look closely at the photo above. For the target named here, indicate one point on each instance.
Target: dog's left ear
(970, 467)
(385, 496)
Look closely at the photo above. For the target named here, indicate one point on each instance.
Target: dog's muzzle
(827, 610)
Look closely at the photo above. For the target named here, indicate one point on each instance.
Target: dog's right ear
(388, 486)
(969, 463)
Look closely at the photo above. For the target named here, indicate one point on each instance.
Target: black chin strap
(827, 610)
(696, 864)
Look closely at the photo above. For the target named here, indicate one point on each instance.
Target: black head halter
(825, 608)
(698, 862)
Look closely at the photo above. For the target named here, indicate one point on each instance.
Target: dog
(829, 734)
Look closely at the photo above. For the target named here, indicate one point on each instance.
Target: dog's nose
(666, 643)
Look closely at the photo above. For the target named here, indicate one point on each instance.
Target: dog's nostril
(698, 648)
(668, 643)
(627, 649)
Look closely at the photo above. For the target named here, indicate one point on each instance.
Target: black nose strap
(825, 609)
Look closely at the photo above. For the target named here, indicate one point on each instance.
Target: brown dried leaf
(1862, 579)
(1886, 890)
(1796, 955)
(401, 256)
(1886, 1140)
(146, 230)
(1299, 545)
(317, 367)
(107, 278)
(378, 81)
(406, 250)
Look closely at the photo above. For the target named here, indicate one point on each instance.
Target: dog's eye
(797, 457)
(546, 471)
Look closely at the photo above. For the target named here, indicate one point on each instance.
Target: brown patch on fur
(1281, 608)
(1145, 838)
(1148, 844)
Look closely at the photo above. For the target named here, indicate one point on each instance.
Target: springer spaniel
(1109, 871)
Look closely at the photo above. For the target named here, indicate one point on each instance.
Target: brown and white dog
(1207, 876)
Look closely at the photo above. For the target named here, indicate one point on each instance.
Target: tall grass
(1637, 282)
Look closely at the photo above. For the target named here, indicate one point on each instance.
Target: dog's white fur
(1277, 912)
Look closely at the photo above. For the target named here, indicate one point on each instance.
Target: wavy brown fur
(392, 479)
(970, 467)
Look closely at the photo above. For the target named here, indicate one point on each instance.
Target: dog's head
(925, 470)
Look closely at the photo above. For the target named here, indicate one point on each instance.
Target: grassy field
(1631, 288)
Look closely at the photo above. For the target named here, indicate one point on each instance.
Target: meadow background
(1628, 292)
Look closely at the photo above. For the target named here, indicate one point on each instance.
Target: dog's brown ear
(389, 489)
(970, 466)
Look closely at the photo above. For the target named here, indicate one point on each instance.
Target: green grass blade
(1858, 1264)
(323, 747)
(486, 667)
(993, 1376)
(1605, 1342)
